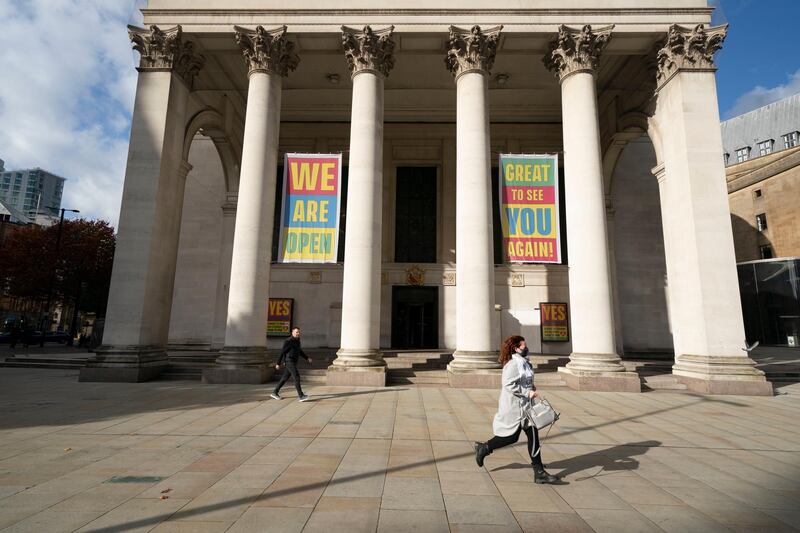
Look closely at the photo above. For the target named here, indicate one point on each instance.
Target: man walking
(290, 353)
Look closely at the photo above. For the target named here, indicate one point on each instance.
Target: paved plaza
(181, 456)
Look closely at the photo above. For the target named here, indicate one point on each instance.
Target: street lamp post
(46, 320)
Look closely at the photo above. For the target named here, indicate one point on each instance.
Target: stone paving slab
(187, 457)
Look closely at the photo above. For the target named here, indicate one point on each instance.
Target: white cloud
(760, 96)
(66, 95)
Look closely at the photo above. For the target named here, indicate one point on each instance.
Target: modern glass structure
(770, 292)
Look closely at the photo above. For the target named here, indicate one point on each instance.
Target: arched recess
(200, 297)
(629, 127)
(211, 123)
(636, 240)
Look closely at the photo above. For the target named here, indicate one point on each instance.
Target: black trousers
(290, 370)
(533, 442)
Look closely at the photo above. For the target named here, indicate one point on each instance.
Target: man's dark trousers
(290, 370)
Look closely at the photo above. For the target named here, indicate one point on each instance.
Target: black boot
(541, 476)
(481, 451)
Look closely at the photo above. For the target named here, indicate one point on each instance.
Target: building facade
(421, 98)
(762, 149)
(34, 192)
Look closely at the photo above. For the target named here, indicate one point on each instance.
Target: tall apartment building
(35, 192)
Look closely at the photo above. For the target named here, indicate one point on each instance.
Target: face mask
(523, 352)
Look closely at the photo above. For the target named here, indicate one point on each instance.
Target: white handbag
(541, 414)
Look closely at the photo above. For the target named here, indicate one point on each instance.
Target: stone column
(359, 361)
(470, 57)
(705, 307)
(140, 297)
(224, 277)
(269, 57)
(594, 363)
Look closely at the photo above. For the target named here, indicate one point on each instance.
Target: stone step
(29, 364)
(53, 360)
(662, 382)
(412, 372)
(398, 365)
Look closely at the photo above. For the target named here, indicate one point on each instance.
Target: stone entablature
(472, 50)
(576, 50)
(368, 50)
(166, 50)
(267, 50)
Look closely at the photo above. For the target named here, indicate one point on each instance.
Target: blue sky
(760, 60)
(68, 84)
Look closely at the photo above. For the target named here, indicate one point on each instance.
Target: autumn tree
(80, 271)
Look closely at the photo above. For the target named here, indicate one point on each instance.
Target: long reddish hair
(508, 348)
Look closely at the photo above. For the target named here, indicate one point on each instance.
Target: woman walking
(516, 395)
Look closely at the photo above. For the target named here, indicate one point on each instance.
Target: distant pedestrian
(14, 337)
(516, 395)
(290, 353)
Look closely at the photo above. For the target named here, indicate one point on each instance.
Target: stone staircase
(417, 367)
(36, 361)
(408, 367)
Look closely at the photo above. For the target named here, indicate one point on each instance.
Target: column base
(721, 375)
(246, 365)
(347, 358)
(125, 364)
(356, 376)
(465, 361)
(595, 362)
(484, 378)
(601, 381)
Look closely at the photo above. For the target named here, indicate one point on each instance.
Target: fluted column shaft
(369, 56)
(470, 58)
(361, 292)
(591, 303)
(474, 255)
(594, 363)
(252, 241)
(269, 56)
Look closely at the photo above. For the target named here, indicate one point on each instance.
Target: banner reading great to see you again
(529, 208)
(310, 214)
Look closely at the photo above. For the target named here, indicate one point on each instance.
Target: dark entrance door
(415, 317)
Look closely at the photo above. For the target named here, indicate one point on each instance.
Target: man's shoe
(304, 398)
(542, 477)
(275, 396)
(481, 451)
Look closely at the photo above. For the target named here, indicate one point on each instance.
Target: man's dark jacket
(291, 351)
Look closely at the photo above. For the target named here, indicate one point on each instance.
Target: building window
(742, 154)
(765, 147)
(757, 194)
(790, 140)
(766, 252)
(727, 157)
(415, 215)
(761, 222)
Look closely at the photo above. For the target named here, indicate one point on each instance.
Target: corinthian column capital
(689, 48)
(267, 50)
(576, 50)
(166, 50)
(471, 50)
(368, 50)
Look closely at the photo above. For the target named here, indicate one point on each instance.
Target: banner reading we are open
(310, 213)
(529, 208)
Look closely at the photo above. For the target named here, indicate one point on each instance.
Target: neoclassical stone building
(421, 98)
